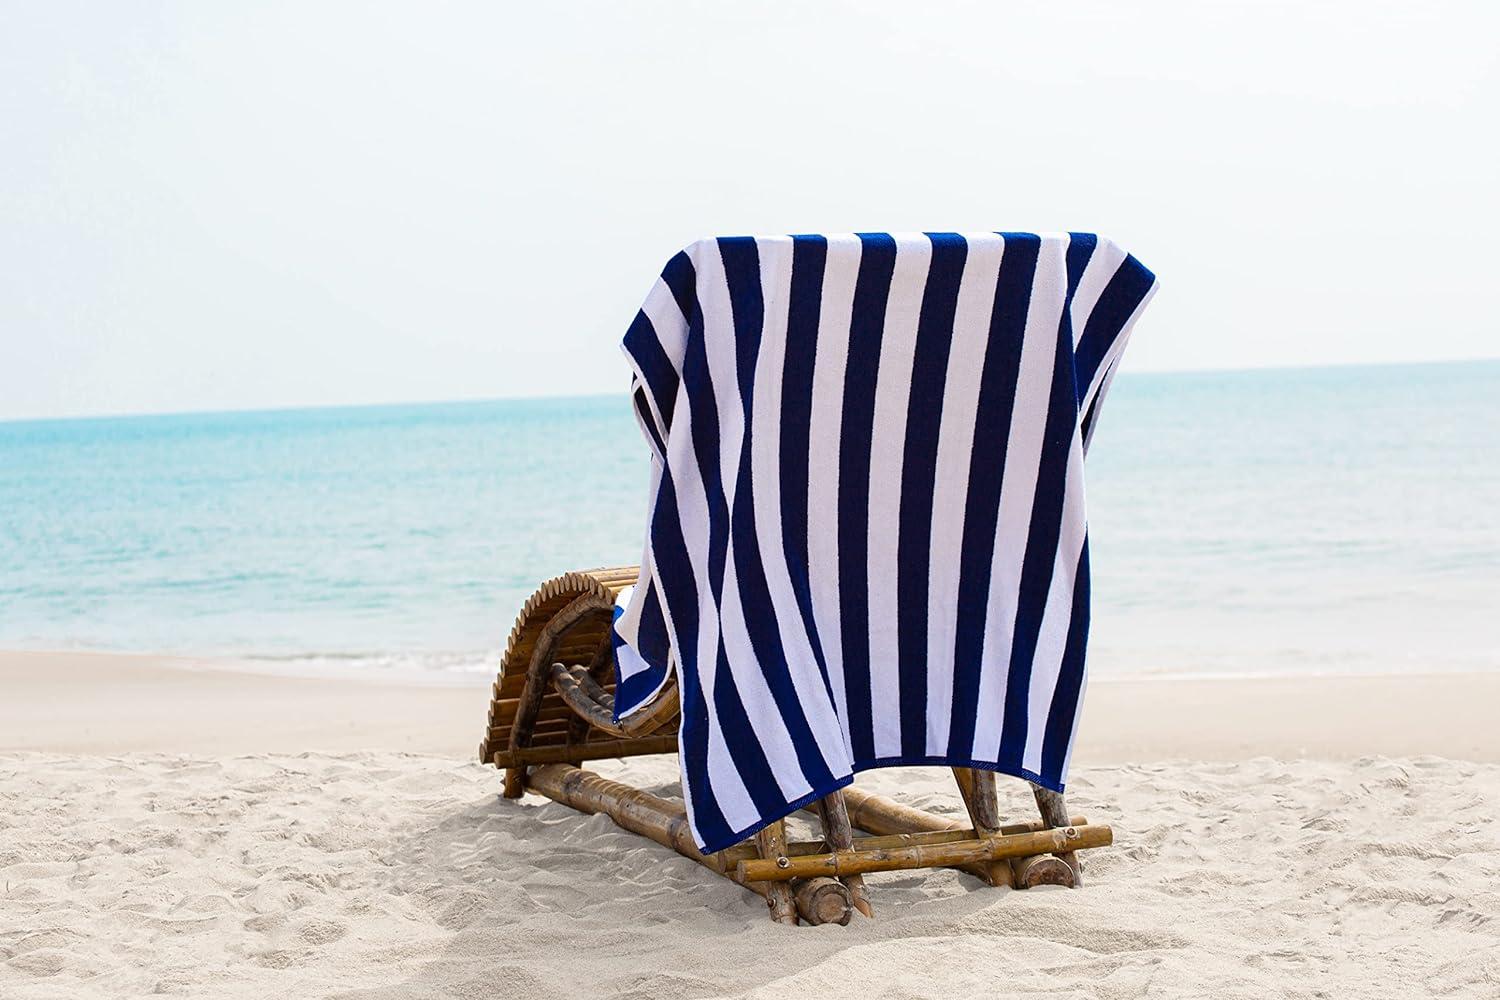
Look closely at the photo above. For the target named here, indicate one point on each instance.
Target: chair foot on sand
(552, 709)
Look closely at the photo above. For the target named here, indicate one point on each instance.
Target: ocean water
(1270, 522)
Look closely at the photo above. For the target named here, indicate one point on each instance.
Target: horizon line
(461, 400)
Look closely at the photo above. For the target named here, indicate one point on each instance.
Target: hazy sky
(226, 205)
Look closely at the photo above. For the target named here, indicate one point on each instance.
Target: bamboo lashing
(962, 852)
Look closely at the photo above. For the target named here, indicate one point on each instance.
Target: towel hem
(714, 846)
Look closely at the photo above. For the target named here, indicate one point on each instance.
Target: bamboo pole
(1040, 869)
(963, 852)
(564, 754)
(588, 701)
(770, 843)
(878, 814)
(834, 816)
(523, 724)
(537, 673)
(882, 816)
(600, 667)
(640, 812)
(979, 796)
(660, 712)
(819, 900)
(1054, 810)
(802, 848)
(977, 788)
(823, 901)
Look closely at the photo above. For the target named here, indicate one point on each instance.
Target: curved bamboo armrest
(581, 693)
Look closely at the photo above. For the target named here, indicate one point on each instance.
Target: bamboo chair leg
(523, 724)
(770, 843)
(834, 816)
(978, 790)
(1054, 809)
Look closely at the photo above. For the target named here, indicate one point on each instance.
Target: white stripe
(728, 787)
(1102, 265)
(1018, 488)
(955, 448)
(765, 459)
(825, 423)
(760, 706)
(1057, 615)
(1073, 731)
(887, 447)
(671, 325)
(670, 328)
(1105, 375)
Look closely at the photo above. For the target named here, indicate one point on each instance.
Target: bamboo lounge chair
(841, 354)
(552, 711)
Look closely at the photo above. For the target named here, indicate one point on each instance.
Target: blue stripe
(652, 641)
(872, 288)
(804, 307)
(680, 587)
(657, 370)
(744, 746)
(681, 279)
(1064, 708)
(1087, 424)
(742, 272)
(648, 421)
(924, 413)
(703, 411)
(997, 396)
(1117, 303)
(729, 710)
(1046, 520)
(632, 691)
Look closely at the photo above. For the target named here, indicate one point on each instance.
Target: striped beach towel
(866, 542)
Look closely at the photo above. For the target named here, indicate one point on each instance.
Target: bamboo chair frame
(552, 709)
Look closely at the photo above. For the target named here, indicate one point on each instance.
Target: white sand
(371, 873)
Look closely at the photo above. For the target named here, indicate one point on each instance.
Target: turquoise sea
(1267, 522)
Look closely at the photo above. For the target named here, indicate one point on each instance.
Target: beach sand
(166, 828)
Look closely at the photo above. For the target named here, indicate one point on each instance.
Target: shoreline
(403, 667)
(92, 702)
